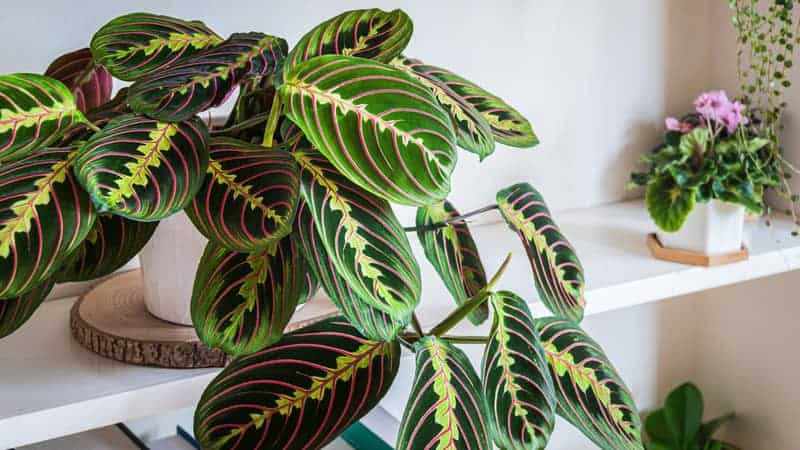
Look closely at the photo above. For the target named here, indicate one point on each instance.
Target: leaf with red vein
(453, 253)
(362, 236)
(446, 409)
(241, 302)
(591, 395)
(370, 322)
(90, 83)
(249, 198)
(516, 380)
(137, 44)
(557, 271)
(35, 111)
(300, 393)
(379, 126)
(14, 312)
(205, 80)
(143, 169)
(44, 217)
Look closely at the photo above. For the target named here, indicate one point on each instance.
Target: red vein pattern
(362, 236)
(301, 393)
(44, 216)
(473, 131)
(143, 169)
(241, 303)
(370, 322)
(446, 409)
(34, 111)
(138, 44)
(379, 126)
(516, 379)
(453, 253)
(557, 271)
(90, 83)
(365, 33)
(206, 79)
(591, 395)
(14, 312)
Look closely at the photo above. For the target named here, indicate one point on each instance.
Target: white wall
(596, 77)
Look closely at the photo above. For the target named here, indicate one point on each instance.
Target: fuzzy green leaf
(668, 204)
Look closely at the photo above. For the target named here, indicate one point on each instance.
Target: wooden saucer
(112, 321)
(693, 258)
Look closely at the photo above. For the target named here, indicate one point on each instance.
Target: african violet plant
(295, 191)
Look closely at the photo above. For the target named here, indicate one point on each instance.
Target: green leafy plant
(295, 192)
(766, 38)
(708, 154)
(679, 425)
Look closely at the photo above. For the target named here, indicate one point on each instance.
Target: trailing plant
(767, 34)
(707, 154)
(679, 425)
(295, 191)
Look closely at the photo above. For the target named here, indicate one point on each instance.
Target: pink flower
(674, 124)
(715, 106)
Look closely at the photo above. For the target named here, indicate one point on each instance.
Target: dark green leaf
(241, 302)
(205, 80)
(370, 322)
(362, 236)
(14, 312)
(446, 408)
(44, 217)
(139, 44)
(34, 111)
(143, 169)
(298, 394)
(453, 253)
(249, 197)
(516, 380)
(683, 415)
(669, 205)
(556, 269)
(378, 125)
(591, 395)
(90, 83)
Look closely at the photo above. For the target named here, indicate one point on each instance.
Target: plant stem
(91, 126)
(417, 326)
(455, 317)
(466, 339)
(255, 120)
(459, 218)
(272, 121)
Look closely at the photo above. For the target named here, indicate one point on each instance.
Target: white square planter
(713, 228)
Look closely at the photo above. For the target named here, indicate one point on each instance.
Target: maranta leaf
(371, 322)
(362, 236)
(300, 393)
(242, 302)
(14, 312)
(472, 130)
(516, 379)
(453, 253)
(591, 395)
(138, 44)
(365, 33)
(379, 126)
(508, 126)
(249, 197)
(143, 169)
(90, 83)
(35, 110)
(446, 409)
(556, 269)
(206, 79)
(44, 217)
(111, 243)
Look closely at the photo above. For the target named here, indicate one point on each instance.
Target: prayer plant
(295, 192)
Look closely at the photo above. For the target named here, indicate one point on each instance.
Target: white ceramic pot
(169, 262)
(712, 228)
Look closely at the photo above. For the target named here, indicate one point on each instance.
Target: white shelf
(51, 386)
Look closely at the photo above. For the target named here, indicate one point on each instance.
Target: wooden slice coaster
(693, 258)
(112, 321)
